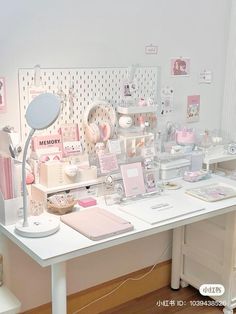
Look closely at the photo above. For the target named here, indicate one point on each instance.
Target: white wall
(76, 33)
(229, 102)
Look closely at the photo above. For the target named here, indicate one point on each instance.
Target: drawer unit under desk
(206, 237)
(205, 253)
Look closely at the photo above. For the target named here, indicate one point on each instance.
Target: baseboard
(158, 278)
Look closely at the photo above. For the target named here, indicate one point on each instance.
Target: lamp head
(43, 111)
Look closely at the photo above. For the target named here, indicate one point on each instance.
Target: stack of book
(10, 177)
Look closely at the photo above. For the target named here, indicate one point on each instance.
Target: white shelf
(218, 158)
(69, 186)
(136, 109)
(9, 304)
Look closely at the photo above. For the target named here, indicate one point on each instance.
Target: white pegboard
(85, 85)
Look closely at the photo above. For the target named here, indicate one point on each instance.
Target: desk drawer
(206, 237)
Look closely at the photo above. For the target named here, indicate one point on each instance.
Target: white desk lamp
(42, 112)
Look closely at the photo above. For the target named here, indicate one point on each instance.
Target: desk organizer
(10, 210)
(173, 169)
(54, 174)
(114, 190)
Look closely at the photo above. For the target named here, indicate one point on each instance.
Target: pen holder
(10, 210)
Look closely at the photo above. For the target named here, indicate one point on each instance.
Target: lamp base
(38, 227)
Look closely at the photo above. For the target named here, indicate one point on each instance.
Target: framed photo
(150, 181)
(2, 95)
(108, 162)
(180, 66)
(132, 175)
(193, 108)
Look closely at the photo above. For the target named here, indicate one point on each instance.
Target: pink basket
(185, 137)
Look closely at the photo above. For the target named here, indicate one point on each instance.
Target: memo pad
(97, 223)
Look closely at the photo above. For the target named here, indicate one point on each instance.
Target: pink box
(185, 137)
(86, 202)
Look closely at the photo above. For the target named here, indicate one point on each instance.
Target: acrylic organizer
(10, 210)
(115, 187)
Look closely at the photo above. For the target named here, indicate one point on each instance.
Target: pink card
(108, 163)
(132, 175)
(193, 108)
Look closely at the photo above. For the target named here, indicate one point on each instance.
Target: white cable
(122, 283)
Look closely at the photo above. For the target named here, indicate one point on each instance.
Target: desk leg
(58, 279)
(176, 258)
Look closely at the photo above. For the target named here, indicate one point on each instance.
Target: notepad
(97, 223)
(213, 192)
(160, 209)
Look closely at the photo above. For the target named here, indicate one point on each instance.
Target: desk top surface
(68, 243)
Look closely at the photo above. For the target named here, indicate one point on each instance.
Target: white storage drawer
(174, 169)
(9, 304)
(207, 254)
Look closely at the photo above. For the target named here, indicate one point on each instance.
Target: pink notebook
(97, 223)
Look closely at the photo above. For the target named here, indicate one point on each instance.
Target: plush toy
(29, 177)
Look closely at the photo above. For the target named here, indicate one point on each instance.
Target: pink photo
(180, 66)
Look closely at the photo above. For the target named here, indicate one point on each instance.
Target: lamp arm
(24, 188)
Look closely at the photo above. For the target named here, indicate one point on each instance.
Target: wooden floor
(149, 304)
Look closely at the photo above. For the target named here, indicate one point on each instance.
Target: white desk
(66, 244)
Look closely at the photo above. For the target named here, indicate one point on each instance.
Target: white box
(10, 210)
(53, 174)
(174, 169)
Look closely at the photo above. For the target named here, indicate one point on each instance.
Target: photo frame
(180, 66)
(193, 108)
(133, 180)
(150, 181)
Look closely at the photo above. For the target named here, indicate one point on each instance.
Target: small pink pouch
(87, 202)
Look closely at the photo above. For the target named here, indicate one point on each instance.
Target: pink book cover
(97, 223)
(132, 175)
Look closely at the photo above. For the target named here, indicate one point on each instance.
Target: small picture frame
(132, 175)
(108, 163)
(129, 88)
(180, 66)
(2, 95)
(150, 181)
(193, 108)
